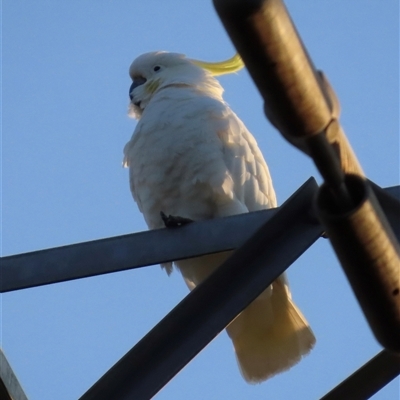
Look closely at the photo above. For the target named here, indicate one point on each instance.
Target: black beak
(136, 82)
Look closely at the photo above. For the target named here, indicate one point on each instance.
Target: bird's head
(154, 71)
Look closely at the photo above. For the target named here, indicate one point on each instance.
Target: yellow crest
(234, 64)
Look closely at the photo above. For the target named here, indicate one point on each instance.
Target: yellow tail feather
(270, 335)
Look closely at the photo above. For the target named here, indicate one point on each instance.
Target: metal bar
(197, 319)
(368, 379)
(135, 250)
(10, 389)
(267, 41)
(298, 99)
(303, 106)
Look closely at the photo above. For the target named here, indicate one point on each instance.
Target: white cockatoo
(192, 158)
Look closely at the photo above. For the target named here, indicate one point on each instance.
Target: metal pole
(300, 102)
(367, 380)
(10, 388)
(135, 250)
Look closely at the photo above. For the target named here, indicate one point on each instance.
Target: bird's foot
(171, 221)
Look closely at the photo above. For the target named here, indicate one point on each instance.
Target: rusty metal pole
(299, 101)
(301, 104)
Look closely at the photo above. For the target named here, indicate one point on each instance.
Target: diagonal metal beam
(301, 104)
(206, 311)
(368, 379)
(10, 388)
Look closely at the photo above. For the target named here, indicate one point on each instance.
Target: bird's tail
(270, 335)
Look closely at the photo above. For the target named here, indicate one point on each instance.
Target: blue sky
(64, 124)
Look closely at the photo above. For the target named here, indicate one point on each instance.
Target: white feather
(191, 156)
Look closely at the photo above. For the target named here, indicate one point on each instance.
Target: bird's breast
(174, 158)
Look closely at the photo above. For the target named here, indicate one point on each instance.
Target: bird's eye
(156, 68)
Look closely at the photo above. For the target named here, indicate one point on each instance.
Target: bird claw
(171, 221)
